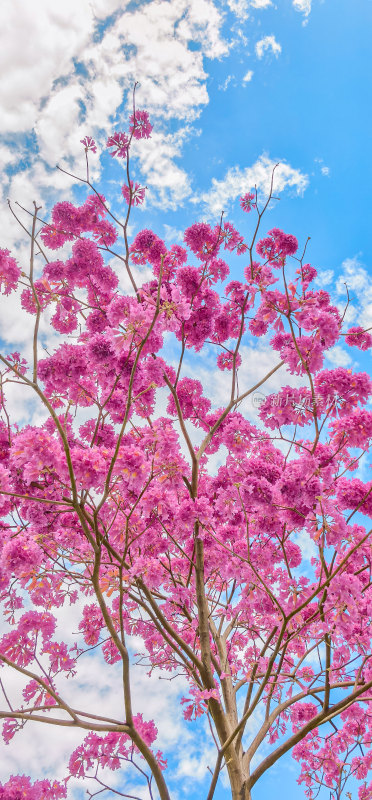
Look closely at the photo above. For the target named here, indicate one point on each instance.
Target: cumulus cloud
(268, 43)
(169, 184)
(68, 71)
(237, 181)
(65, 71)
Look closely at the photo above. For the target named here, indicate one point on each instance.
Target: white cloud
(241, 7)
(268, 43)
(304, 6)
(338, 357)
(356, 278)
(323, 168)
(223, 86)
(355, 275)
(325, 276)
(169, 184)
(60, 79)
(173, 235)
(237, 181)
(261, 3)
(88, 56)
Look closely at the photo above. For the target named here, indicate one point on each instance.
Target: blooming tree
(112, 502)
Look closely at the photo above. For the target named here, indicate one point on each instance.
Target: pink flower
(218, 269)
(19, 787)
(136, 196)
(119, 142)
(231, 238)
(307, 274)
(110, 652)
(311, 352)
(342, 390)
(91, 624)
(358, 337)
(89, 144)
(197, 705)
(190, 396)
(289, 406)
(202, 240)
(226, 360)
(140, 125)
(65, 319)
(53, 238)
(60, 660)
(246, 202)
(21, 555)
(276, 246)
(146, 246)
(189, 279)
(104, 232)
(9, 272)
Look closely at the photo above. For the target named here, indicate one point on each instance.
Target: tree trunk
(241, 791)
(238, 782)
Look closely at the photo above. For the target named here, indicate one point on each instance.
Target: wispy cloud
(223, 86)
(323, 167)
(304, 6)
(261, 3)
(237, 181)
(268, 43)
(241, 7)
(324, 277)
(248, 76)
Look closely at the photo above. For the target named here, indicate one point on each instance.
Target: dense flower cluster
(20, 786)
(9, 272)
(358, 337)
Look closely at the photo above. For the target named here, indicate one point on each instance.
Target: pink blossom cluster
(197, 704)
(276, 246)
(331, 759)
(69, 222)
(20, 786)
(9, 272)
(111, 750)
(358, 337)
(247, 201)
(133, 194)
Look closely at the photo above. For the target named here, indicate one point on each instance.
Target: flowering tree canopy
(115, 503)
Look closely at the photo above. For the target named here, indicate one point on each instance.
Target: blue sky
(232, 88)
